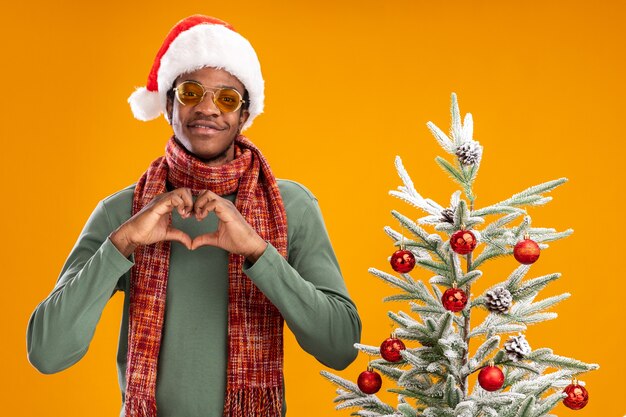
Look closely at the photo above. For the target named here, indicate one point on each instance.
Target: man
(211, 251)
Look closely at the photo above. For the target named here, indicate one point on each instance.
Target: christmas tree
(431, 370)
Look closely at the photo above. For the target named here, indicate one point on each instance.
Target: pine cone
(499, 300)
(469, 153)
(517, 348)
(447, 215)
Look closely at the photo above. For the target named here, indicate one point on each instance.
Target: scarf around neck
(255, 338)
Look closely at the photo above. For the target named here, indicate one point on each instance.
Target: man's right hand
(151, 223)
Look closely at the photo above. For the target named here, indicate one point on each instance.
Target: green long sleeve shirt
(307, 289)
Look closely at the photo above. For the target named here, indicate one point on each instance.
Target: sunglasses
(192, 93)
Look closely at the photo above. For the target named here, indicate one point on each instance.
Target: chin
(208, 156)
(209, 149)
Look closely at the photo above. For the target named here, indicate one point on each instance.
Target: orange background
(349, 86)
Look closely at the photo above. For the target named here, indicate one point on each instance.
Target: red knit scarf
(255, 339)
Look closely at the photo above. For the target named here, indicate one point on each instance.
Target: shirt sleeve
(310, 292)
(62, 326)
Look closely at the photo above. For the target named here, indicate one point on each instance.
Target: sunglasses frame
(213, 91)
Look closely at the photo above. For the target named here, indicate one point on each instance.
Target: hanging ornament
(369, 381)
(491, 378)
(402, 261)
(454, 299)
(526, 251)
(517, 347)
(463, 242)
(390, 349)
(499, 300)
(577, 396)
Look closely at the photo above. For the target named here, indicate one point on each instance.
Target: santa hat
(193, 43)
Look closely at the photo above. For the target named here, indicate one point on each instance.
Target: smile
(205, 126)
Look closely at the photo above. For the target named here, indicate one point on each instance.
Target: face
(203, 129)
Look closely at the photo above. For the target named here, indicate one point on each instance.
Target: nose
(207, 106)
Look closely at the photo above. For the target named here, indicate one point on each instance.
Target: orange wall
(349, 85)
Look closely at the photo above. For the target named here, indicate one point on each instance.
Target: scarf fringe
(254, 402)
(140, 407)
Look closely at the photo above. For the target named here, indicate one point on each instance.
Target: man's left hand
(233, 233)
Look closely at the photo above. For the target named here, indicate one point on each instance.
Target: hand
(233, 233)
(151, 223)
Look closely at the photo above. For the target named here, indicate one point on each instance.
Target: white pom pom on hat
(146, 105)
(196, 42)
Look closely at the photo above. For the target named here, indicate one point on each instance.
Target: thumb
(207, 239)
(178, 235)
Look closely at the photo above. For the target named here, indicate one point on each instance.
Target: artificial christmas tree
(431, 377)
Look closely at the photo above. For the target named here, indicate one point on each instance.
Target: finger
(185, 194)
(207, 204)
(176, 201)
(178, 235)
(204, 197)
(166, 203)
(201, 200)
(203, 211)
(211, 194)
(207, 239)
(227, 212)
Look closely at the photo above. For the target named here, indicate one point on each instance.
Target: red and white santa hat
(193, 43)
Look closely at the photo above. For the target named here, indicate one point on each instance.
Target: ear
(169, 107)
(242, 118)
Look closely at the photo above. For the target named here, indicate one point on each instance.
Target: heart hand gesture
(150, 225)
(233, 233)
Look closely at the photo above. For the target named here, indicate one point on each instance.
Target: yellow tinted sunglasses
(192, 93)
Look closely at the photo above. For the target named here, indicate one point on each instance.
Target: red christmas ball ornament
(526, 251)
(390, 349)
(402, 261)
(463, 242)
(577, 396)
(454, 299)
(369, 381)
(491, 378)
